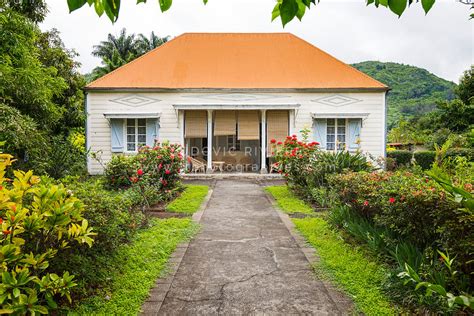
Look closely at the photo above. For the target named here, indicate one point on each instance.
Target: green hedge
(463, 152)
(425, 158)
(401, 157)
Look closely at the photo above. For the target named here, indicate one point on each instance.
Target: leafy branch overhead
(287, 10)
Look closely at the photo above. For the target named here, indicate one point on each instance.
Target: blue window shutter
(116, 130)
(151, 131)
(320, 131)
(354, 133)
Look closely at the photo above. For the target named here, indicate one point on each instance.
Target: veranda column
(263, 163)
(209, 140)
(182, 139)
(291, 121)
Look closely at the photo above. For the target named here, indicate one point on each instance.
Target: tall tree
(34, 10)
(146, 44)
(125, 45)
(118, 50)
(465, 89)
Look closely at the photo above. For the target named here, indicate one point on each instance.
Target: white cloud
(441, 42)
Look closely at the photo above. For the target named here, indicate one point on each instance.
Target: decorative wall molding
(236, 96)
(135, 100)
(336, 100)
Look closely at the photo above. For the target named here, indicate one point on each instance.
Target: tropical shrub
(414, 208)
(401, 157)
(425, 158)
(294, 158)
(120, 170)
(116, 216)
(38, 222)
(159, 169)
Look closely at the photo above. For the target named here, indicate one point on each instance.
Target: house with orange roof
(225, 96)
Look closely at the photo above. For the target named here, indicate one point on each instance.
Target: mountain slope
(414, 90)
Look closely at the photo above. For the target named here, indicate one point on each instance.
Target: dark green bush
(115, 216)
(461, 152)
(425, 159)
(401, 157)
(414, 208)
(120, 170)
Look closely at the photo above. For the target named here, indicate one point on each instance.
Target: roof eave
(168, 90)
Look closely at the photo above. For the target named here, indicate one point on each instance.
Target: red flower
(167, 171)
(316, 143)
(7, 232)
(273, 141)
(279, 143)
(172, 156)
(13, 208)
(391, 200)
(134, 179)
(1, 187)
(12, 218)
(1, 220)
(140, 172)
(300, 156)
(366, 203)
(288, 137)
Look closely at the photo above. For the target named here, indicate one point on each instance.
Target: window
(233, 143)
(136, 134)
(336, 134)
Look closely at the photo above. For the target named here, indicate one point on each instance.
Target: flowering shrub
(413, 207)
(119, 170)
(37, 222)
(159, 168)
(294, 157)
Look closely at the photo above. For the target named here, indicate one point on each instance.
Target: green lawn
(190, 200)
(135, 267)
(350, 268)
(288, 202)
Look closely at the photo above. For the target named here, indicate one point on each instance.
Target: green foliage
(287, 10)
(38, 223)
(119, 170)
(190, 200)
(456, 115)
(358, 274)
(287, 201)
(40, 93)
(116, 51)
(414, 92)
(133, 268)
(465, 89)
(34, 10)
(113, 214)
(401, 157)
(159, 168)
(26, 83)
(425, 158)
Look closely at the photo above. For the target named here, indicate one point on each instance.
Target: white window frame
(346, 124)
(125, 123)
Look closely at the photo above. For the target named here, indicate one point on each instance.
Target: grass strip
(190, 200)
(134, 268)
(287, 201)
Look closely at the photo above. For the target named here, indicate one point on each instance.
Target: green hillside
(414, 90)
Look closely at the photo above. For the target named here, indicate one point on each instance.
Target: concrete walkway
(245, 261)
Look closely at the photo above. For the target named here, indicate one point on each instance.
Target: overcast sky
(442, 41)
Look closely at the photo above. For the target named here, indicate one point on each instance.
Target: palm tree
(125, 45)
(146, 44)
(117, 51)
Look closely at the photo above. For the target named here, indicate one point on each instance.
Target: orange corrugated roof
(236, 61)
